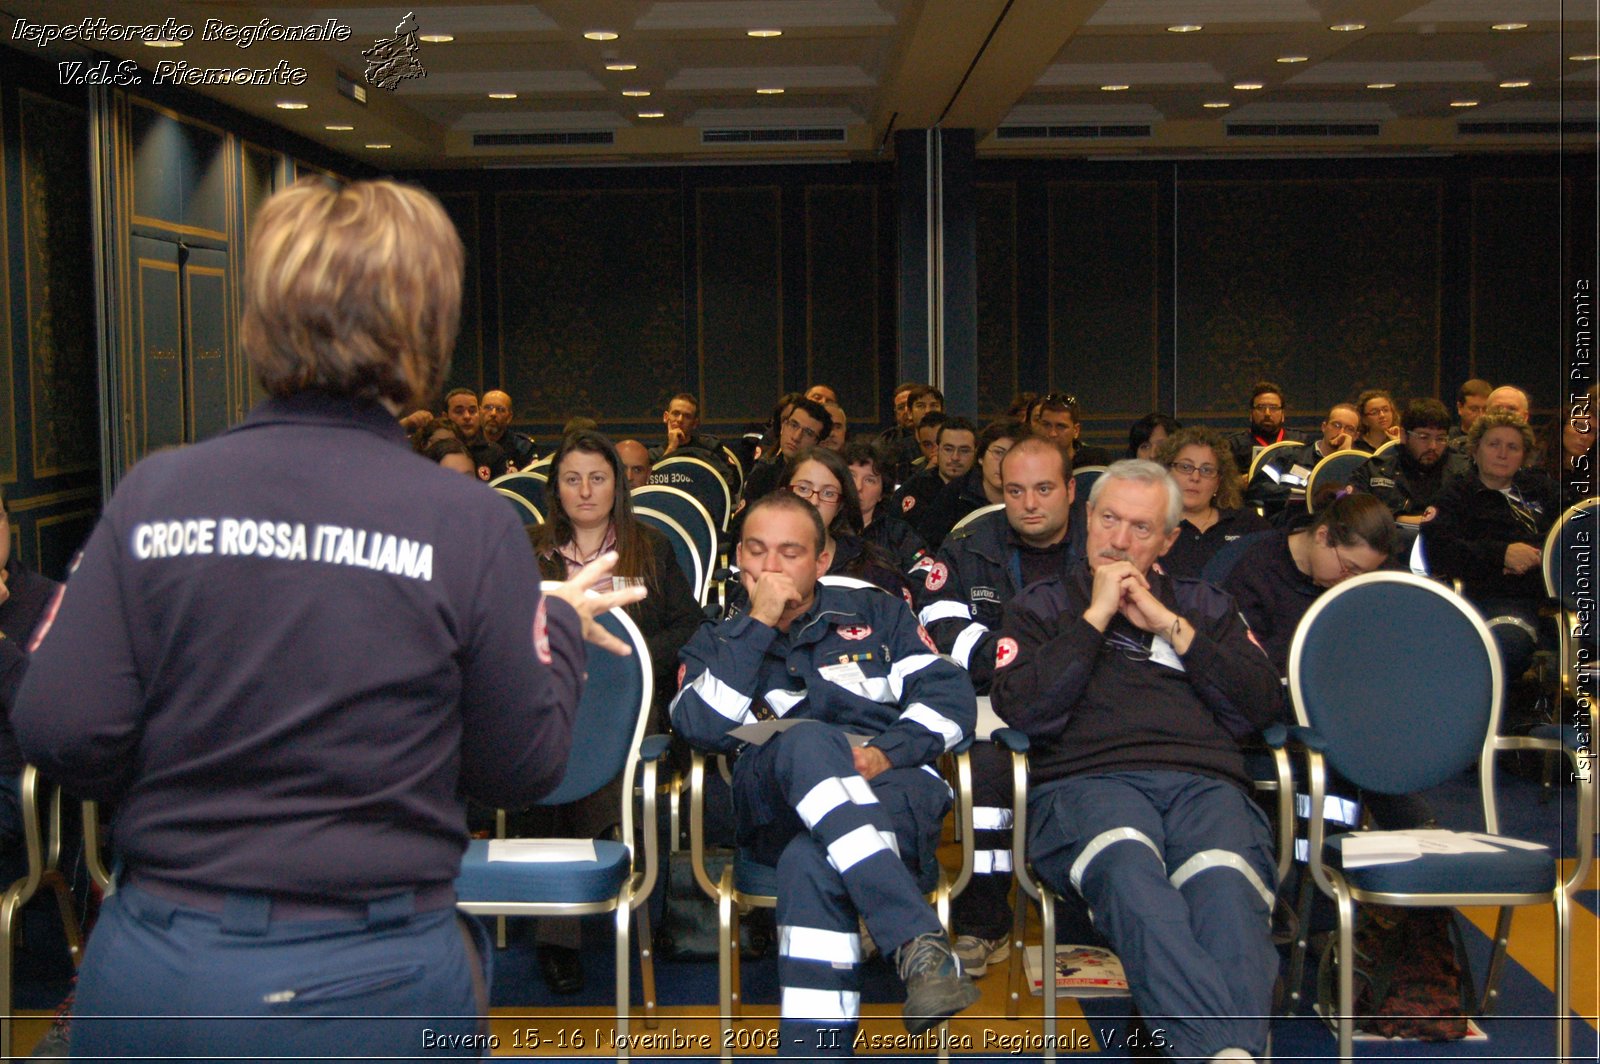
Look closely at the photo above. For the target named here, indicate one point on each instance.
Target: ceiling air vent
(813, 135)
(1076, 132)
(1545, 129)
(543, 140)
(1302, 129)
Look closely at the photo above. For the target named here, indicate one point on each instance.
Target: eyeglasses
(805, 432)
(1060, 399)
(806, 491)
(953, 451)
(1347, 569)
(1428, 439)
(1267, 408)
(1128, 647)
(1189, 469)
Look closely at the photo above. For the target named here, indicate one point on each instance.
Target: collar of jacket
(832, 606)
(320, 408)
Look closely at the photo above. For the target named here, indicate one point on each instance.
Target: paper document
(762, 730)
(541, 850)
(1365, 848)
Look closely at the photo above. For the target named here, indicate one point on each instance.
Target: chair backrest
(1220, 564)
(1337, 468)
(527, 513)
(1401, 678)
(611, 717)
(1265, 455)
(701, 480)
(531, 486)
(541, 465)
(979, 512)
(1570, 539)
(687, 511)
(737, 467)
(683, 549)
(1385, 448)
(1084, 477)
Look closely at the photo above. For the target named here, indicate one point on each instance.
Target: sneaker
(977, 954)
(936, 988)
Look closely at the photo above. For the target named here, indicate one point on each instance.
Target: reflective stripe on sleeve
(966, 642)
(935, 722)
(722, 698)
(944, 610)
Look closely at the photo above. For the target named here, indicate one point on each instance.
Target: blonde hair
(1485, 422)
(352, 290)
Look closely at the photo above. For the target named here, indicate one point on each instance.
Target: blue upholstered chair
(684, 549)
(696, 520)
(1422, 706)
(701, 480)
(526, 512)
(608, 739)
(1337, 468)
(1083, 477)
(530, 487)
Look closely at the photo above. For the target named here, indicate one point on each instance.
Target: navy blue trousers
(1178, 872)
(165, 982)
(843, 848)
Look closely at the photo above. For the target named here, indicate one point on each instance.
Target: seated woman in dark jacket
(872, 475)
(820, 477)
(1488, 531)
(590, 514)
(1214, 515)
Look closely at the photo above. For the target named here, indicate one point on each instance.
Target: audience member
(821, 477)
(914, 451)
(1134, 689)
(1279, 484)
(1146, 435)
(981, 567)
(1488, 531)
(1472, 399)
(835, 440)
(579, 424)
(635, 463)
(955, 441)
(881, 526)
(1380, 421)
(822, 393)
(798, 423)
(589, 518)
(1055, 416)
(852, 830)
(495, 415)
(451, 453)
(1214, 513)
(682, 419)
(1509, 399)
(903, 426)
(1407, 478)
(1266, 424)
(979, 487)
(461, 407)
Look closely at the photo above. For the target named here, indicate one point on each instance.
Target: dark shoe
(936, 988)
(562, 968)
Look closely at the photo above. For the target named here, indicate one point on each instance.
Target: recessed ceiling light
(622, 66)
(1113, 88)
(763, 33)
(774, 91)
(1186, 27)
(380, 145)
(1347, 27)
(338, 129)
(1587, 58)
(1216, 104)
(1509, 26)
(1381, 85)
(436, 38)
(1515, 84)
(1292, 58)
(636, 92)
(600, 35)
(163, 44)
(502, 96)
(1249, 86)
(292, 105)
(652, 114)
(1463, 103)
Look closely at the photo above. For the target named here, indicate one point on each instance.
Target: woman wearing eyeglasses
(1214, 514)
(821, 478)
(1488, 530)
(1380, 422)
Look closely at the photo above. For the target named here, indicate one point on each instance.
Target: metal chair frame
(673, 461)
(1335, 459)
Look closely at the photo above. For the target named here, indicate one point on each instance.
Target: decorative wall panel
(996, 271)
(842, 276)
(739, 297)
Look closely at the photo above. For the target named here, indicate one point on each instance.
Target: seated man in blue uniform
(850, 828)
(1134, 689)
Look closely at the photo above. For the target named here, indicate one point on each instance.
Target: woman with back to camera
(284, 683)
(1214, 513)
(589, 518)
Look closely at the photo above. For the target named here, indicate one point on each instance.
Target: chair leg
(647, 966)
(69, 914)
(1497, 961)
(1047, 968)
(623, 917)
(1014, 973)
(10, 905)
(1305, 896)
(1347, 964)
(499, 921)
(725, 960)
(1563, 974)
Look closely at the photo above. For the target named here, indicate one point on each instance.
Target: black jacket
(1090, 706)
(1405, 486)
(1193, 548)
(1272, 593)
(896, 539)
(29, 596)
(954, 501)
(1468, 537)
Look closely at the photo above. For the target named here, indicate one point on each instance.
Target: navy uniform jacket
(1403, 485)
(29, 595)
(288, 650)
(856, 659)
(1122, 700)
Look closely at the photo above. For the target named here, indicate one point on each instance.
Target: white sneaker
(977, 954)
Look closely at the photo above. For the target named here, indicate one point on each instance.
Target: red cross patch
(855, 631)
(541, 634)
(927, 640)
(937, 575)
(682, 670)
(907, 503)
(1005, 652)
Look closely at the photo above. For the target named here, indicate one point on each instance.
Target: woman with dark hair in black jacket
(872, 475)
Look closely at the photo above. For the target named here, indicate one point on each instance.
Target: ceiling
(1034, 78)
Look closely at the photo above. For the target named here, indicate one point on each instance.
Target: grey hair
(1142, 471)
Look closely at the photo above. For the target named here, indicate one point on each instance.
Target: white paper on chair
(531, 851)
(1438, 841)
(1361, 850)
(762, 730)
(1515, 844)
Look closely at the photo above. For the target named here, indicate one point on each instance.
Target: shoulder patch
(1005, 652)
(907, 503)
(938, 574)
(927, 640)
(683, 670)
